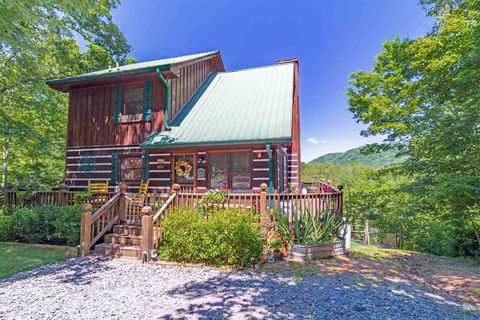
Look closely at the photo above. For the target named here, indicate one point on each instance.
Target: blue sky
(331, 38)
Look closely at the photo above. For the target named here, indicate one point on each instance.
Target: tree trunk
(5, 154)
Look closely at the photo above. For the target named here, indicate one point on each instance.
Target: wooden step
(127, 229)
(118, 250)
(123, 239)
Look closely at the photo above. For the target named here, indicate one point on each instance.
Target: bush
(222, 238)
(48, 225)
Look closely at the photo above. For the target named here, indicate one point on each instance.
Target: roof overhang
(172, 144)
(169, 70)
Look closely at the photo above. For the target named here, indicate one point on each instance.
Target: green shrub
(50, 225)
(222, 238)
(6, 233)
(80, 198)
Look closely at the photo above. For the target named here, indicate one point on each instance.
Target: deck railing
(260, 204)
(23, 199)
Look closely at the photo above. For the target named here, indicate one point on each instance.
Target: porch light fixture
(259, 154)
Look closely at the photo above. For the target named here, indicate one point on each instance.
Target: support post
(86, 229)
(147, 232)
(367, 233)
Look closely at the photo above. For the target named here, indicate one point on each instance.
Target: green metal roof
(235, 107)
(130, 68)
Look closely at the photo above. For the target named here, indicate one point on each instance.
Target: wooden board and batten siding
(93, 135)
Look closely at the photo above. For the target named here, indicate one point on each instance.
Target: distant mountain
(380, 159)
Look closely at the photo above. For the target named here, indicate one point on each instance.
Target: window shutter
(145, 164)
(147, 101)
(118, 103)
(114, 168)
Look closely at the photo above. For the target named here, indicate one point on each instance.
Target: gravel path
(94, 288)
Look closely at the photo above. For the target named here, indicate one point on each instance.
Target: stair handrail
(164, 207)
(151, 232)
(101, 211)
(95, 225)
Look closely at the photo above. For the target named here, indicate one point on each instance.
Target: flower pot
(278, 255)
(316, 251)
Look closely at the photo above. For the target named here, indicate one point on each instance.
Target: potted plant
(311, 236)
(275, 245)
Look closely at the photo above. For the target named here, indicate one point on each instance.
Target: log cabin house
(184, 120)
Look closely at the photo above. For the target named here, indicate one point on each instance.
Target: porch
(129, 224)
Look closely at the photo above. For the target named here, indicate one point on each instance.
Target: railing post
(147, 232)
(62, 197)
(265, 222)
(176, 189)
(86, 229)
(122, 208)
(263, 199)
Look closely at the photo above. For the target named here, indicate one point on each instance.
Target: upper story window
(133, 100)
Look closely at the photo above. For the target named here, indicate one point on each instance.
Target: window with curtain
(130, 168)
(133, 101)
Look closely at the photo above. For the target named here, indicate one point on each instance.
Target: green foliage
(420, 96)
(79, 198)
(275, 244)
(223, 238)
(38, 44)
(309, 229)
(48, 225)
(362, 157)
(215, 197)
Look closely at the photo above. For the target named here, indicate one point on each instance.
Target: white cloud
(315, 141)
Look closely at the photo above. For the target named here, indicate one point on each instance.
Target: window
(184, 169)
(130, 168)
(230, 170)
(132, 106)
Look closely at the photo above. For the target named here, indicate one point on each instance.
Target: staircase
(125, 241)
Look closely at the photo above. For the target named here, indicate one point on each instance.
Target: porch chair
(142, 192)
(100, 190)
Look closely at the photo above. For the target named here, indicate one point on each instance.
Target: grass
(17, 257)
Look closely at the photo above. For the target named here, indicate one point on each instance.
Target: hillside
(351, 156)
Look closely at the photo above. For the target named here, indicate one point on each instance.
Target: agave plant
(308, 228)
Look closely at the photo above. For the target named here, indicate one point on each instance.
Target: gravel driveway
(95, 288)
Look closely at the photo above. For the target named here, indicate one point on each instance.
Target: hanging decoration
(183, 168)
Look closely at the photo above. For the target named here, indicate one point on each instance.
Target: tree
(37, 43)
(423, 96)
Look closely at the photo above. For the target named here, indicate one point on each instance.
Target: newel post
(85, 229)
(263, 199)
(175, 188)
(147, 232)
(122, 209)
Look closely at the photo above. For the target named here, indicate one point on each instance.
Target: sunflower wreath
(183, 168)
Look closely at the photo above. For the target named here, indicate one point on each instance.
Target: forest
(421, 95)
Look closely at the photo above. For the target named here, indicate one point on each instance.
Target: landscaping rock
(98, 288)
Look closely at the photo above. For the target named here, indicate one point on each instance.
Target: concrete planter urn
(316, 251)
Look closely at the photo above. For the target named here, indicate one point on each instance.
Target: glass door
(230, 170)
